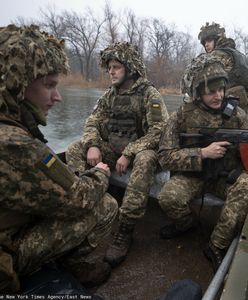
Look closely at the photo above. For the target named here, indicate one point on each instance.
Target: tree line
(165, 50)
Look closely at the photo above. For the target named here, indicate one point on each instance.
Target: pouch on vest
(239, 92)
(230, 105)
(122, 130)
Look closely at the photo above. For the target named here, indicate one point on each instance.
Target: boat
(153, 265)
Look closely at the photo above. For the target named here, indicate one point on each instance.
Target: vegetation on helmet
(126, 54)
(203, 69)
(26, 53)
(211, 31)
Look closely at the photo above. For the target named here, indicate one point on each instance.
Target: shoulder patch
(49, 160)
(55, 169)
(156, 110)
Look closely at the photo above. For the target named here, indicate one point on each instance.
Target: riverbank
(76, 80)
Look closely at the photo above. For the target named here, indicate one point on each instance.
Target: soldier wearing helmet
(204, 168)
(236, 65)
(124, 130)
(45, 209)
(210, 35)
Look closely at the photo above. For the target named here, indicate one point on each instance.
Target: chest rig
(192, 118)
(125, 121)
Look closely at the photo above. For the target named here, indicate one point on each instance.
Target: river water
(66, 119)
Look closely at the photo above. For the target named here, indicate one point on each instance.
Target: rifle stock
(243, 149)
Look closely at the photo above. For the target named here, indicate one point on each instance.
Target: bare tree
(166, 51)
(160, 45)
(52, 22)
(21, 21)
(111, 26)
(241, 40)
(130, 26)
(82, 33)
(134, 30)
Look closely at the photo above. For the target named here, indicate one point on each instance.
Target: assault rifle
(206, 136)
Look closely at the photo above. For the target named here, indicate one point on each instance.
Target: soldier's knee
(145, 157)
(110, 204)
(167, 201)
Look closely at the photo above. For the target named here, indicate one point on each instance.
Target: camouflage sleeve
(155, 116)
(92, 131)
(171, 156)
(35, 181)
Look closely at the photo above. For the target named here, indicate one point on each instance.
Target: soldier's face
(209, 45)
(43, 92)
(214, 98)
(116, 72)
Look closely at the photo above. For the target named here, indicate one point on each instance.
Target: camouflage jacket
(188, 119)
(34, 181)
(153, 115)
(235, 64)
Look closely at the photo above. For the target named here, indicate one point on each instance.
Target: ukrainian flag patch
(49, 160)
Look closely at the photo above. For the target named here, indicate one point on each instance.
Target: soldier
(46, 211)
(214, 167)
(235, 63)
(213, 36)
(124, 131)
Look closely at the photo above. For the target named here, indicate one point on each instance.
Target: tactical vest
(239, 73)
(125, 120)
(191, 117)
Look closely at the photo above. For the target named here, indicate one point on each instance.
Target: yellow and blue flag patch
(49, 160)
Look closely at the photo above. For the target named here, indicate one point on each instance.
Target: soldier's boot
(117, 251)
(170, 231)
(91, 274)
(89, 270)
(215, 255)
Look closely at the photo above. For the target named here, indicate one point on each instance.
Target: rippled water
(66, 120)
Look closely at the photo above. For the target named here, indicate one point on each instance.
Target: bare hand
(215, 150)
(94, 156)
(103, 166)
(122, 164)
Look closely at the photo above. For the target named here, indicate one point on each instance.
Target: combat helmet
(26, 53)
(211, 31)
(203, 70)
(125, 53)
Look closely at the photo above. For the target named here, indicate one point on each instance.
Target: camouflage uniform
(189, 179)
(235, 63)
(45, 209)
(213, 32)
(149, 114)
(126, 122)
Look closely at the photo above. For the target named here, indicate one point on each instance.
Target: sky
(187, 15)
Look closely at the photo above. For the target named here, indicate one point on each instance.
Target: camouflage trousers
(177, 193)
(48, 239)
(140, 181)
